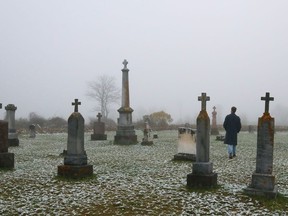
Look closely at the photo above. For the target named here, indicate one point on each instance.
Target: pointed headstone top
(267, 98)
(125, 62)
(203, 98)
(76, 103)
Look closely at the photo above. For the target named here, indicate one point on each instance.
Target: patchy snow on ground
(134, 179)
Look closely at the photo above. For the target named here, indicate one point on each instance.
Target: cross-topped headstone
(267, 98)
(99, 117)
(125, 62)
(214, 108)
(76, 103)
(203, 98)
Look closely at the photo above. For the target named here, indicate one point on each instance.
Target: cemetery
(180, 171)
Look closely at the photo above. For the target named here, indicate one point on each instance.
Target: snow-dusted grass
(136, 180)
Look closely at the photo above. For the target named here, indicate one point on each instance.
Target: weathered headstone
(99, 130)
(202, 172)
(186, 144)
(125, 133)
(214, 129)
(147, 134)
(263, 181)
(12, 134)
(75, 161)
(6, 158)
(32, 131)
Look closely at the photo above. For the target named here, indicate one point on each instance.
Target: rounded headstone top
(11, 107)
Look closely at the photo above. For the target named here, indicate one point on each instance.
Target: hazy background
(235, 51)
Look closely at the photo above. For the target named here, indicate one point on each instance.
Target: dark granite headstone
(202, 172)
(6, 158)
(75, 161)
(12, 134)
(99, 129)
(263, 180)
(125, 133)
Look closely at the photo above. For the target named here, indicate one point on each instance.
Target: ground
(136, 179)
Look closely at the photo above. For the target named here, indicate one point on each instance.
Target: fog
(235, 51)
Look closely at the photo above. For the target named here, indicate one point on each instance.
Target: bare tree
(105, 92)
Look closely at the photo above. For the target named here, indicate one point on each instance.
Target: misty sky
(235, 51)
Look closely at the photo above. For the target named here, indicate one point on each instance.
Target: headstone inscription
(125, 133)
(214, 128)
(147, 135)
(12, 134)
(99, 129)
(75, 161)
(186, 144)
(263, 180)
(6, 158)
(202, 172)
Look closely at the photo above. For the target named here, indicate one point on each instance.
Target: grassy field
(136, 179)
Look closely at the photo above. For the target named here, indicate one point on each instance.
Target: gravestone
(263, 180)
(147, 134)
(125, 133)
(99, 129)
(75, 161)
(186, 144)
(6, 158)
(12, 134)
(202, 171)
(32, 131)
(214, 129)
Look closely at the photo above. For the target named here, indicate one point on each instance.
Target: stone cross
(76, 103)
(214, 108)
(99, 117)
(125, 62)
(203, 98)
(267, 98)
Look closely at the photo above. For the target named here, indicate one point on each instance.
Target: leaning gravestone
(263, 182)
(125, 133)
(186, 144)
(12, 134)
(99, 129)
(202, 172)
(75, 161)
(6, 158)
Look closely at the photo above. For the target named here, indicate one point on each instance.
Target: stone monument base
(7, 160)
(147, 143)
(98, 136)
(125, 139)
(263, 185)
(69, 171)
(185, 157)
(201, 180)
(13, 142)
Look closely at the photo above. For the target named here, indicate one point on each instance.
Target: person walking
(232, 126)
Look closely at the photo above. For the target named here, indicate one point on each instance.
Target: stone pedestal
(75, 161)
(99, 130)
(125, 133)
(202, 170)
(263, 180)
(6, 158)
(12, 134)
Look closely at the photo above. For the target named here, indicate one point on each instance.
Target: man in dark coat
(232, 126)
